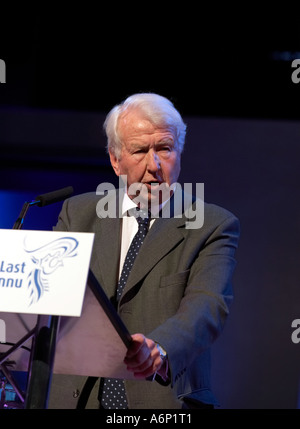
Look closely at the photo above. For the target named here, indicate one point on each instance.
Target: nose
(153, 161)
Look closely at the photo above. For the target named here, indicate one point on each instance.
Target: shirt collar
(128, 204)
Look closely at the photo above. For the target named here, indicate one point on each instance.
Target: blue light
(37, 218)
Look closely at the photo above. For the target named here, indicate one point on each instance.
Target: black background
(209, 63)
(220, 67)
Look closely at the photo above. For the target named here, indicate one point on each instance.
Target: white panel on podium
(90, 345)
(43, 272)
(46, 272)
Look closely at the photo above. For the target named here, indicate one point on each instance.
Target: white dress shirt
(129, 229)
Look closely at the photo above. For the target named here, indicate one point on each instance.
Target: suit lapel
(165, 234)
(155, 247)
(107, 250)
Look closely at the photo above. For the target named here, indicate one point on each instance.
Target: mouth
(151, 184)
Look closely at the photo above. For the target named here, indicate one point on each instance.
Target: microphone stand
(42, 362)
(31, 334)
(45, 332)
(19, 222)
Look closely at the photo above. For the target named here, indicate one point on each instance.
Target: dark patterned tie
(113, 394)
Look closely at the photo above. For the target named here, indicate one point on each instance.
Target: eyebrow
(165, 141)
(144, 146)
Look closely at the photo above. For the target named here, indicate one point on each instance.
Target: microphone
(41, 201)
(53, 197)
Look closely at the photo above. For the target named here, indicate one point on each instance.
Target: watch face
(162, 352)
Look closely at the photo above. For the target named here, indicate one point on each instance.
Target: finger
(139, 349)
(141, 374)
(139, 367)
(138, 358)
(148, 367)
(138, 341)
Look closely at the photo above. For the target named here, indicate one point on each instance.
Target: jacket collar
(166, 232)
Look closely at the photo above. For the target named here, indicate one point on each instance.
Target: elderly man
(173, 295)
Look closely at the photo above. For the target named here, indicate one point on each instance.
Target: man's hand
(143, 357)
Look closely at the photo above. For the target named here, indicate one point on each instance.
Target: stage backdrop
(251, 167)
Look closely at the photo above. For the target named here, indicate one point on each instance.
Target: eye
(140, 151)
(164, 149)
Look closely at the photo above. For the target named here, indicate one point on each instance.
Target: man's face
(148, 154)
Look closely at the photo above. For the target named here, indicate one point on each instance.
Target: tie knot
(142, 216)
(143, 221)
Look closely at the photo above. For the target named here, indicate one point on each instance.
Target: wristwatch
(162, 352)
(163, 356)
(163, 377)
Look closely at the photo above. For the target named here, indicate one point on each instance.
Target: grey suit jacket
(178, 292)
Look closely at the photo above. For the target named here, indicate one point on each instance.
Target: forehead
(134, 125)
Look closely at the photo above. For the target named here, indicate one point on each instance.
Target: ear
(115, 163)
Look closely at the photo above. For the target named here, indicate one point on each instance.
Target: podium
(93, 344)
(66, 340)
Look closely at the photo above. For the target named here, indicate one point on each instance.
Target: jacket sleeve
(63, 221)
(205, 305)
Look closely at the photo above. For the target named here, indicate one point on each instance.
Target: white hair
(157, 109)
